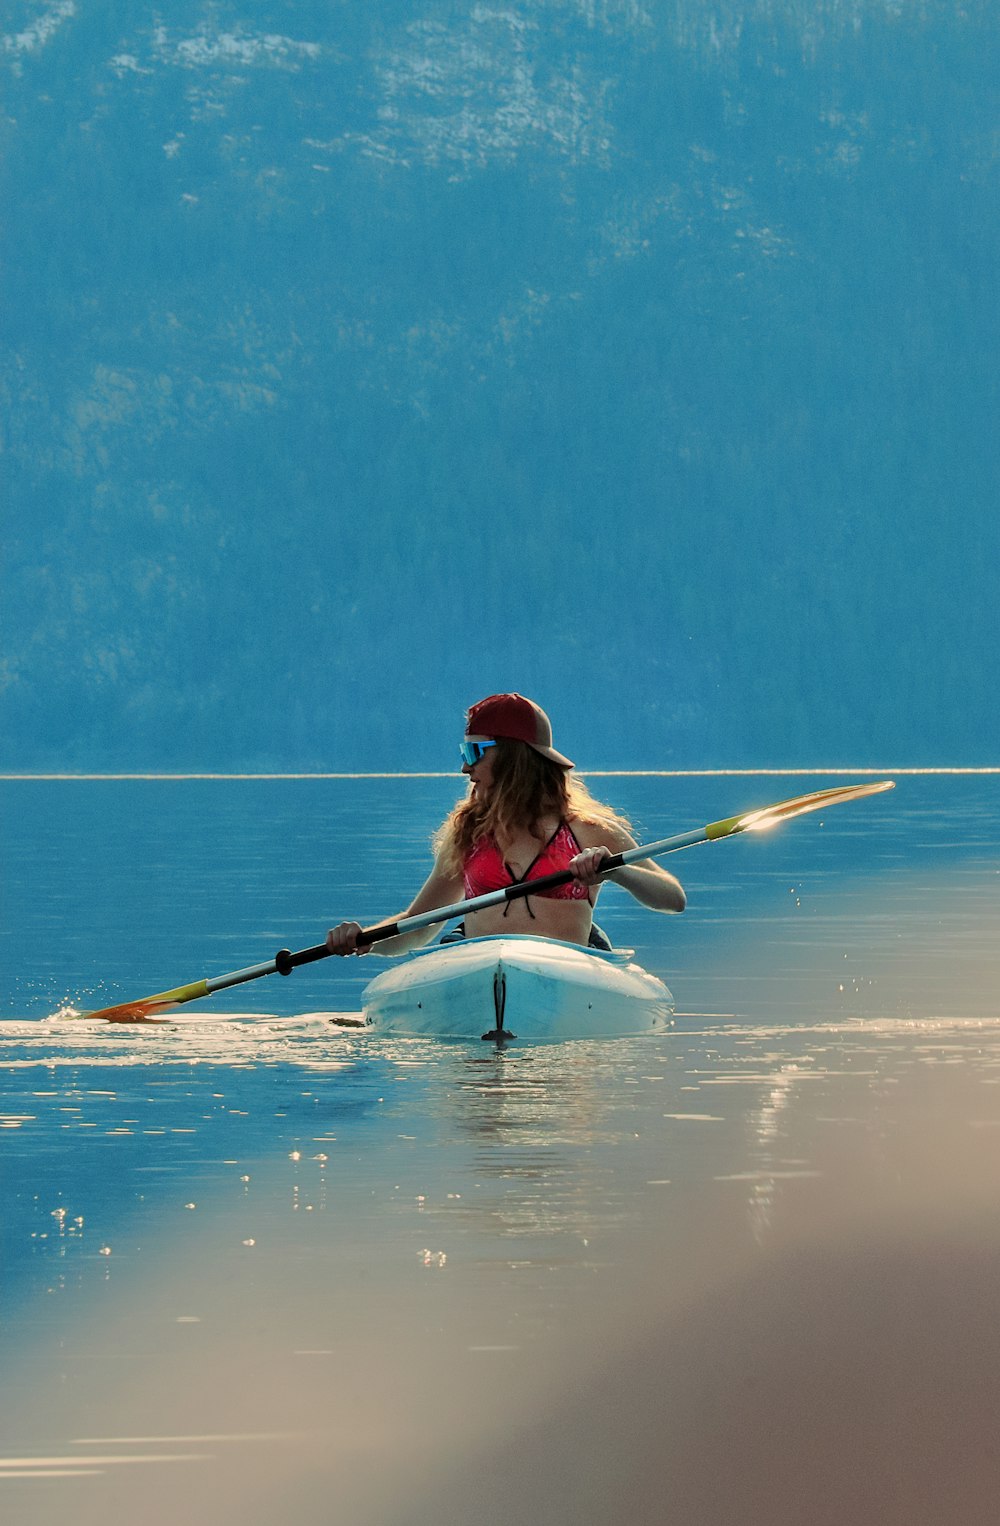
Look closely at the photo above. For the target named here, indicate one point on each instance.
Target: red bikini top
(485, 868)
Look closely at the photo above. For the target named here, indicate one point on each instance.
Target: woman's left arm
(647, 880)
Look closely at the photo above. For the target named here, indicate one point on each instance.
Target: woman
(526, 815)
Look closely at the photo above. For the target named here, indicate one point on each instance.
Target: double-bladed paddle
(148, 1007)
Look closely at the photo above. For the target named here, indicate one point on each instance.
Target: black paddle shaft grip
(285, 961)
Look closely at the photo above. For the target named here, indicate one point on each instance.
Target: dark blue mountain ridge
(362, 360)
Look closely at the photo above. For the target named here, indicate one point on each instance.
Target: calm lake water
(254, 1267)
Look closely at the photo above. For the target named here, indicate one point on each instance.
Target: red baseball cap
(514, 717)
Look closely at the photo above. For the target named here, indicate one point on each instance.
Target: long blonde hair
(526, 788)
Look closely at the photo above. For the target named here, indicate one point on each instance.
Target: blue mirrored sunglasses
(473, 751)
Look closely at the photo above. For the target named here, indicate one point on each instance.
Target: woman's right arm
(441, 888)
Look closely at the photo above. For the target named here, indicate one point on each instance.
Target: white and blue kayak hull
(517, 986)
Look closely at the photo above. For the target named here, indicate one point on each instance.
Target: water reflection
(557, 1209)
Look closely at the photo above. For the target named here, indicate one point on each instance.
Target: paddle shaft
(284, 962)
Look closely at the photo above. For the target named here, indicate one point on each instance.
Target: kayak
(517, 986)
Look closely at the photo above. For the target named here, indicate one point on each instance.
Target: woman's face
(481, 774)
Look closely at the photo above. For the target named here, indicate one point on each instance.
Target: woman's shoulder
(596, 831)
(601, 824)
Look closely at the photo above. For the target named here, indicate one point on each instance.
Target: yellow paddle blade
(148, 1008)
(772, 815)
